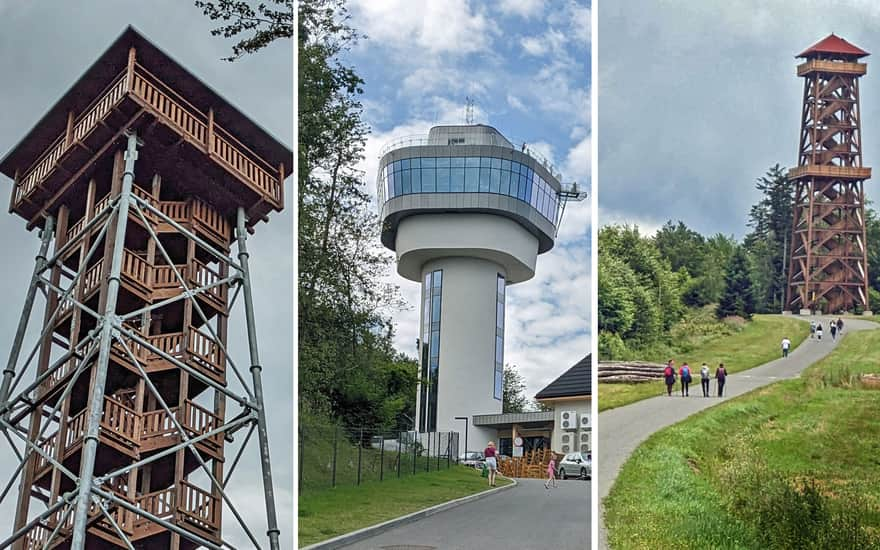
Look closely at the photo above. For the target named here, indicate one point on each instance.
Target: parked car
(575, 465)
(474, 459)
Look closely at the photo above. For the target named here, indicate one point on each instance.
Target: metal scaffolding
(26, 414)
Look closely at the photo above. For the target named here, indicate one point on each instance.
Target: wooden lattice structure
(828, 268)
(141, 179)
(533, 464)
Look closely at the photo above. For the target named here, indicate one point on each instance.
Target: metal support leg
(39, 267)
(256, 373)
(96, 407)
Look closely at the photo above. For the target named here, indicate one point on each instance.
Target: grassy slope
(672, 492)
(753, 345)
(328, 513)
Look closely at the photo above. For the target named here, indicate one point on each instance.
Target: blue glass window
(416, 180)
(472, 162)
(471, 179)
(457, 185)
(404, 164)
(494, 180)
(496, 163)
(484, 180)
(443, 162)
(406, 187)
(442, 180)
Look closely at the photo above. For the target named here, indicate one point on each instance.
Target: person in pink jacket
(551, 472)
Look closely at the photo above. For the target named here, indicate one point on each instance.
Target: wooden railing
(169, 103)
(231, 156)
(207, 217)
(171, 343)
(99, 109)
(164, 276)
(75, 229)
(196, 420)
(176, 210)
(202, 275)
(157, 503)
(826, 66)
(47, 445)
(92, 278)
(198, 506)
(118, 421)
(206, 353)
(40, 170)
(190, 121)
(136, 268)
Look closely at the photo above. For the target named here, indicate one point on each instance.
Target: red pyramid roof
(834, 44)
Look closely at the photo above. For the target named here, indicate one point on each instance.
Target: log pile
(629, 371)
(533, 464)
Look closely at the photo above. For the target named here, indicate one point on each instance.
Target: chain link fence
(335, 455)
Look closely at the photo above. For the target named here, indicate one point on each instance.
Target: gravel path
(621, 430)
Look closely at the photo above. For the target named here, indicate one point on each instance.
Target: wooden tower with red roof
(828, 268)
(145, 184)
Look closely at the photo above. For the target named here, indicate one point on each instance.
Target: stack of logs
(533, 464)
(629, 371)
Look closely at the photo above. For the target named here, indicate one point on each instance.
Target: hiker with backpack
(812, 329)
(704, 379)
(819, 331)
(721, 377)
(839, 325)
(685, 373)
(669, 375)
(833, 328)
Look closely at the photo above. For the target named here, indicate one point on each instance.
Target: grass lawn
(327, 513)
(795, 461)
(754, 344)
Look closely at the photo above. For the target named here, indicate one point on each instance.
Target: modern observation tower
(467, 213)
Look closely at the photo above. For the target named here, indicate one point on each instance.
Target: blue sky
(526, 65)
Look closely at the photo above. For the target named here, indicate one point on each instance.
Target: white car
(473, 459)
(575, 465)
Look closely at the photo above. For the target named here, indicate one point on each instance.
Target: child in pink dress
(551, 472)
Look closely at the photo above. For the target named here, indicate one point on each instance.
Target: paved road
(621, 430)
(526, 517)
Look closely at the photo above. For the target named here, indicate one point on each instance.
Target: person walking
(819, 331)
(832, 327)
(491, 462)
(721, 377)
(669, 375)
(685, 373)
(551, 472)
(839, 325)
(704, 379)
(812, 329)
(786, 345)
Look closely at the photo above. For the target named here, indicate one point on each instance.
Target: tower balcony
(825, 66)
(137, 90)
(830, 171)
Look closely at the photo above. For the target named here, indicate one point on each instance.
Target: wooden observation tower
(124, 409)
(828, 268)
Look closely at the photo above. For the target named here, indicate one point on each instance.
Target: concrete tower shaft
(467, 213)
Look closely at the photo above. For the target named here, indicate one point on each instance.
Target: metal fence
(334, 455)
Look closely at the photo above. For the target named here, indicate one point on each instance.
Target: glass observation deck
(468, 168)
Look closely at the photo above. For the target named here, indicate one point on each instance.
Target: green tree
(514, 399)
(347, 365)
(769, 242)
(681, 246)
(263, 22)
(738, 298)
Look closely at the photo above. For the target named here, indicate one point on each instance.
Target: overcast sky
(698, 99)
(526, 64)
(46, 46)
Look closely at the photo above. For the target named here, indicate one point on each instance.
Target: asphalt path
(526, 517)
(622, 429)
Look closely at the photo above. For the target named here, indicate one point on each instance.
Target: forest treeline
(649, 283)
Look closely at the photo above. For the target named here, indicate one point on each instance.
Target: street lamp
(465, 433)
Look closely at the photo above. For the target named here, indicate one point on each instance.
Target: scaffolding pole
(256, 373)
(96, 407)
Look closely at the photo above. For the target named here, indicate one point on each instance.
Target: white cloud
(578, 162)
(516, 103)
(522, 8)
(436, 27)
(533, 45)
